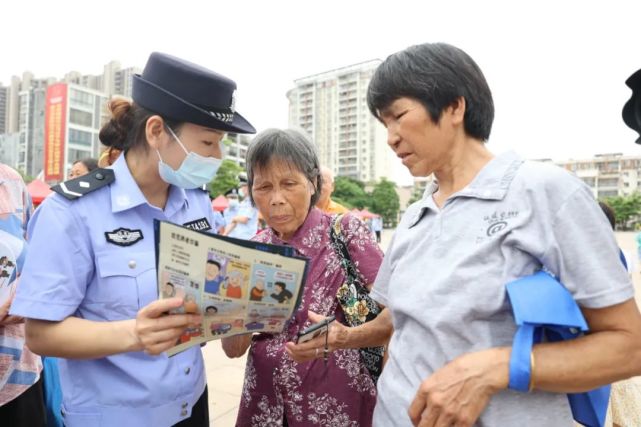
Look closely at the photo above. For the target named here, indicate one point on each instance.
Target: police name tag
(123, 236)
(198, 225)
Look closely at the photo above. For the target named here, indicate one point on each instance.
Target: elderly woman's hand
(457, 394)
(313, 349)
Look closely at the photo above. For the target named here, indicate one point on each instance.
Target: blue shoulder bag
(543, 307)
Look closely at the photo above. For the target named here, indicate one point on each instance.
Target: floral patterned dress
(339, 394)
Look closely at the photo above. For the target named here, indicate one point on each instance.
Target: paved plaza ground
(225, 376)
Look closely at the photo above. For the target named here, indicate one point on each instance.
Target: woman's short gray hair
(289, 146)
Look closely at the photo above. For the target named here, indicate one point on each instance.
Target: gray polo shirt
(444, 274)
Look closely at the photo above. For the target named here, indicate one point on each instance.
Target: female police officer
(89, 285)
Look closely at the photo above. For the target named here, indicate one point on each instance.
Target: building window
(79, 117)
(608, 182)
(608, 193)
(80, 98)
(80, 137)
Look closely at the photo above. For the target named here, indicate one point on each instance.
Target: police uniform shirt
(93, 258)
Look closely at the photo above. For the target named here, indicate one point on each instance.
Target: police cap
(187, 92)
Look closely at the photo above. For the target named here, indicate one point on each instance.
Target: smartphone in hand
(315, 330)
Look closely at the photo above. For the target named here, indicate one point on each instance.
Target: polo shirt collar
(491, 183)
(125, 193)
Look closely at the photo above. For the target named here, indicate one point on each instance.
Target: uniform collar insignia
(200, 224)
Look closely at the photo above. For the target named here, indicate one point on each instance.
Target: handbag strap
(337, 238)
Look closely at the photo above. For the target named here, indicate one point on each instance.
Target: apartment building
(332, 108)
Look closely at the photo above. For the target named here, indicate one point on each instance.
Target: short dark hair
(609, 213)
(211, 306)
(290, 146)
(281, 284)
(216, 263)
(436, 75)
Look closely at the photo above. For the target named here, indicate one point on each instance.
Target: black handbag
(354, 299)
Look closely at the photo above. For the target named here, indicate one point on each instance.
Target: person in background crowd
(233, 206)
(92, 297)
(244, 224)
(377, 227)
(82, 167)
(21, 383)
(325, 202)
(219, 221)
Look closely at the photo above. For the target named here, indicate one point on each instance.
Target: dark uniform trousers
(199, 413)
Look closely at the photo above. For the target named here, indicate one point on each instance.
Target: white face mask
(233, 203)
(194, 171)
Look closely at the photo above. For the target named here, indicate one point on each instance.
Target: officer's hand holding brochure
(238, 286)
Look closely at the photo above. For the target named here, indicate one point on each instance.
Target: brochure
(239, 286)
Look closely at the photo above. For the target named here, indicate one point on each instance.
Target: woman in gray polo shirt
(485, 221)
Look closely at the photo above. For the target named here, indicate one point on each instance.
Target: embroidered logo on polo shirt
(198, 224)
(123, 236)
(498, 221)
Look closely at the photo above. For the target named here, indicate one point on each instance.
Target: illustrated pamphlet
(238, 286)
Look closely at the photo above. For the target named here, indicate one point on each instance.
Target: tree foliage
(350, 192)
(626, 209)
(385, 201)
(226, 178)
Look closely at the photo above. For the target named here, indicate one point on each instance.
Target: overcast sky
(556, 68)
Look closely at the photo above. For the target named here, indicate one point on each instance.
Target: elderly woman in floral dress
(284, 183)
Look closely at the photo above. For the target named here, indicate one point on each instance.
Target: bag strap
(338, 239)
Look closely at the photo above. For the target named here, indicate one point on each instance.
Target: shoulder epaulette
(78, 187)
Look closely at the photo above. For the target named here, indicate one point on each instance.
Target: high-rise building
(236, 147)
(123, 81)
(4, 108)
(22, 111)
(9, 148)
(332, 108)
(31, 123)
(13, 105)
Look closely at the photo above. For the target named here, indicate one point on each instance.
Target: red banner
(55, 121)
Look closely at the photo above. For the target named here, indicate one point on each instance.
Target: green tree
(350, 192)
(626, 208)
(226, 178)
(385, 201)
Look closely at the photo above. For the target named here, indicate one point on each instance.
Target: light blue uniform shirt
(248, 230)
(73, 270)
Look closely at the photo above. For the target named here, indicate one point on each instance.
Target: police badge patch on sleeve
(123, 236)
(198, 224)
